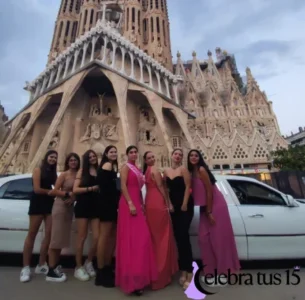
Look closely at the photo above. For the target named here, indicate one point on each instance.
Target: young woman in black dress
(85, 188)
(178, 185)
(108, 207)
(40, 211)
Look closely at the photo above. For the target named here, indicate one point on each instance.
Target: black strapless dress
(86, 206)
(108, 197)
(181, 221)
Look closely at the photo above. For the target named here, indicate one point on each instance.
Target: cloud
(267, 36)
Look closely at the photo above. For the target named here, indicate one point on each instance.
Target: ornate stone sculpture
(87, 134)
(54, 141)
(110, 132)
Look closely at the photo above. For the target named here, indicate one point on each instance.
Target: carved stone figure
(95, 111)
(110, 132)
(87, 134)
(54, 141)
(95, 131)
(133, 37)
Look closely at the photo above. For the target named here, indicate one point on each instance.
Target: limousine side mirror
(290, 201)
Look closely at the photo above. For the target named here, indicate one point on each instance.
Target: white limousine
(267, 223)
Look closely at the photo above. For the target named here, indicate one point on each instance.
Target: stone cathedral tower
(145, 23)
(110, 79)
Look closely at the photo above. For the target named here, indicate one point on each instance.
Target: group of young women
(151, 237)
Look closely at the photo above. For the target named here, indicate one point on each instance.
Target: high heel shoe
(138, 292)
(182, 280)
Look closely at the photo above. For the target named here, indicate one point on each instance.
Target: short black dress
(86, 204)
(42, 204)
(109, 195)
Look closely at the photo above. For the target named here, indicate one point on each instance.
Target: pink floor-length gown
(135, 263)
(217, 243)
(160, 226)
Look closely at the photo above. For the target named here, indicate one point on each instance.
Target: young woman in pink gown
(157, 208)
(216, 237)
(135, 262)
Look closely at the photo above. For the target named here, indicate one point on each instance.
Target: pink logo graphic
(191, 292)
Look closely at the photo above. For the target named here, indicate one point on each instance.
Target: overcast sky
(265, 35)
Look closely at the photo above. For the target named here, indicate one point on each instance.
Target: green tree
(292, 158)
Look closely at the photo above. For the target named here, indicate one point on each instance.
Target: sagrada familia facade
(110, 79)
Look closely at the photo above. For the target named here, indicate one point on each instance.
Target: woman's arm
(36, 183)
(57, 192)
(204, 177)
(156, 175)
(80, 190)
(166, 188)
(123, 176)
(187, 181)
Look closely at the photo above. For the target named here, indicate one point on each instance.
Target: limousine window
(20, 189)
(251, 193)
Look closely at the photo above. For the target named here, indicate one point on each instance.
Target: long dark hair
(86, 167)
(47, 170)
(145, 164)
(130, 148)
(69, 156)
(106, 159)
(201, 163)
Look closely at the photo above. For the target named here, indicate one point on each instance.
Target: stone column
(71, 87)
(77, 132)
(120, 86)
(65, 136)
(35, 141)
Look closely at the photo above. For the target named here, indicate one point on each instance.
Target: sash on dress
(140, 176)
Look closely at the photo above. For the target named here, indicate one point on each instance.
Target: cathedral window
(139, 21)
(86, 15)
(127, 19)
(219, 153)
(91, 16)
(157, 4)
(176, 142)
(164, 33)
(152, 24)
(65, 6)
(74, 31)
(240, 153)
(26, 147)
(147, 135)
(260, 152)
(67, 28)
(71, 5)
(158, 25)
(133, 15)
(151, 4)
(77, 6)
(162, 5)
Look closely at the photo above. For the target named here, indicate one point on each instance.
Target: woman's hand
(71, 199)
(211, 219)
(184, 207)
(95, 188)
(170, 208)
(132, 209)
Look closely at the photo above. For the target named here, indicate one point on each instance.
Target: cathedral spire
(66, 27)
(156, 31)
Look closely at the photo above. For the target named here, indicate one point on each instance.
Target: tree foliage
(292, 158)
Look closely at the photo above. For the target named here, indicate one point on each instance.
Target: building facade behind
(297, 138)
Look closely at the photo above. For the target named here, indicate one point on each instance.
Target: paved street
(38, 288)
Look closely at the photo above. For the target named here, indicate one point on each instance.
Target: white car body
(274, 228)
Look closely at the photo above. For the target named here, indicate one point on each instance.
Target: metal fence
(288, 182)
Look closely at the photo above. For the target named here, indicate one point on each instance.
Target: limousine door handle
(256, 216)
